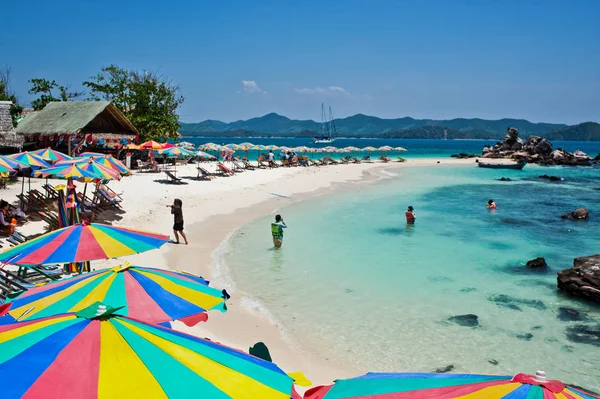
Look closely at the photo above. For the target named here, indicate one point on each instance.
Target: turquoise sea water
(357, 285)
(416, 148)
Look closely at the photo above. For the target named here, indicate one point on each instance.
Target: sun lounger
(237, 167)
(108, 199)
(384, 159)
(50, 191)
(345, 161)
(204, 174)
(172, 178)
(262, 163)
(248, 165)
(224, 170)
(366, 158)
(332, 161)
(355, 160)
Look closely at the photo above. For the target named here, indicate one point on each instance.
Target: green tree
(44, 88)
(149, 100)
(7, 94)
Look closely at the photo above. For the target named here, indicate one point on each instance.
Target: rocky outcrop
(577, 214)
(551, 178)
(597, 159)
(537, 263)
(534, 150)
(464, 155)
(583, 280)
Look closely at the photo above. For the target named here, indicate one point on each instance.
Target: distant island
(364, 126)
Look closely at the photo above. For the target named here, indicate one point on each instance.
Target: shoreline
(247, 322)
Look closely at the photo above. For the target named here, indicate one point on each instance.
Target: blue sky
(538, 60)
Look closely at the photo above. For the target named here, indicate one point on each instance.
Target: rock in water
(577, 214)
(584, 334)
(507, 301)
(583, 279)
(537, 263)
(551, 178)
(505, 179)
(465, 320)
(525, 337)
(493, 362)
(568, 314)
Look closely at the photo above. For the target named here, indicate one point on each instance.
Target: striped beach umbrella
(447, 386)
(30, 160)
(271, 147)
(80, 243)
(92, 154)
(9, 163)
(153, 295)
(67, 171)
(369, 149)
(203, 154)
(176, 152)
(50, 155)
(400, 149)
(151, 145)
(113, 163)
(106, 172)
(95, 354)
(385, 148)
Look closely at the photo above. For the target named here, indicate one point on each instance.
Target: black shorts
(178, 226)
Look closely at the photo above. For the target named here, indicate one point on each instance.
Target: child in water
(491, 205)
(410, 215)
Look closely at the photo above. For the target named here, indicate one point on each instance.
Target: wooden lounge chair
(172, 178)
(107, 199)
(248, 165)
(332, 161)
(355, 160)
(224, 170)
(262, 163)
(50, 191)
(237, 167)
(345, 161)
(204, 174)
(384, 159)
(366, 158)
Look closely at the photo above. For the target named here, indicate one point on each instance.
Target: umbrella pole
(83, 199)
(22, 190)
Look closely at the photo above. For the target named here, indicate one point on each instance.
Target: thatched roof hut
(89, 120)
(8, 138)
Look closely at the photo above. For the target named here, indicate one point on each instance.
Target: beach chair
(262, 163)
(355, 160)
(237, 167)
(12, 285)
(172, 178)
(303, 161)
(50, 191)
(345, 161)
(273, 164)
(142, 165)
(384, 159)
(112, 193)
(50, 218)
(106, 198)
(400, 159)
(247, 164)
(331, 161)
(204, 174)
(366, 158)
(224, 170)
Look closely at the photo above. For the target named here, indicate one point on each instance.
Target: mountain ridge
(361, 125)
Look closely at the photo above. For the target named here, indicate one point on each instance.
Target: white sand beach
(212, 211)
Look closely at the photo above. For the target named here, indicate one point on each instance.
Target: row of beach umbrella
(299, 149)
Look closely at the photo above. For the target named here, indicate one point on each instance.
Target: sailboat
(328, 130)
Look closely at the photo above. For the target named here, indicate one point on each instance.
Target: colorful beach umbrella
(176, 152)
(203, 154)
(385, 148)
(80, 243)
(111, 162)
(91, 154)
(67, 171)
(9, 163)
(153, 295)
(369, 149)
(50, 155)
(447, 386)
(30, 160)
(97, 354)
(151, 145)
(400, 149)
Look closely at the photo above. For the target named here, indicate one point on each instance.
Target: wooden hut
(8, 138)
(70, 124)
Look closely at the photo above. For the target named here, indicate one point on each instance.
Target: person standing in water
(410, 215)
(277, 231)
(491, 205)
(178, 220)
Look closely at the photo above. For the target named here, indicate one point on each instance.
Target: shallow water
(358, 285)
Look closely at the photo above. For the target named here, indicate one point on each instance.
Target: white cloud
(331, 90)
(250, 86)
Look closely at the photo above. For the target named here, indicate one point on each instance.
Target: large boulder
(583, 280)
(577, 214)
(537, 263)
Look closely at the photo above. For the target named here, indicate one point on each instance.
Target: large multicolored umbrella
(151, 145)
(68, 171)
(80, 243)
(153, 295)
(106, 172)
(50, 155)
(113, 163)
(176, 152)
(9, 163)
(30, 160)
(96, 354)
(385, 148)
(400, 149)
(447, 386)
(369, 149)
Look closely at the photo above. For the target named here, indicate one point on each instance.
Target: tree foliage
(149, 100)
(7, 94)
(44, 88)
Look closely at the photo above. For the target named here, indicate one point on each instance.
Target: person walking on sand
(411, 217)
(277, 231)
(178, 220)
